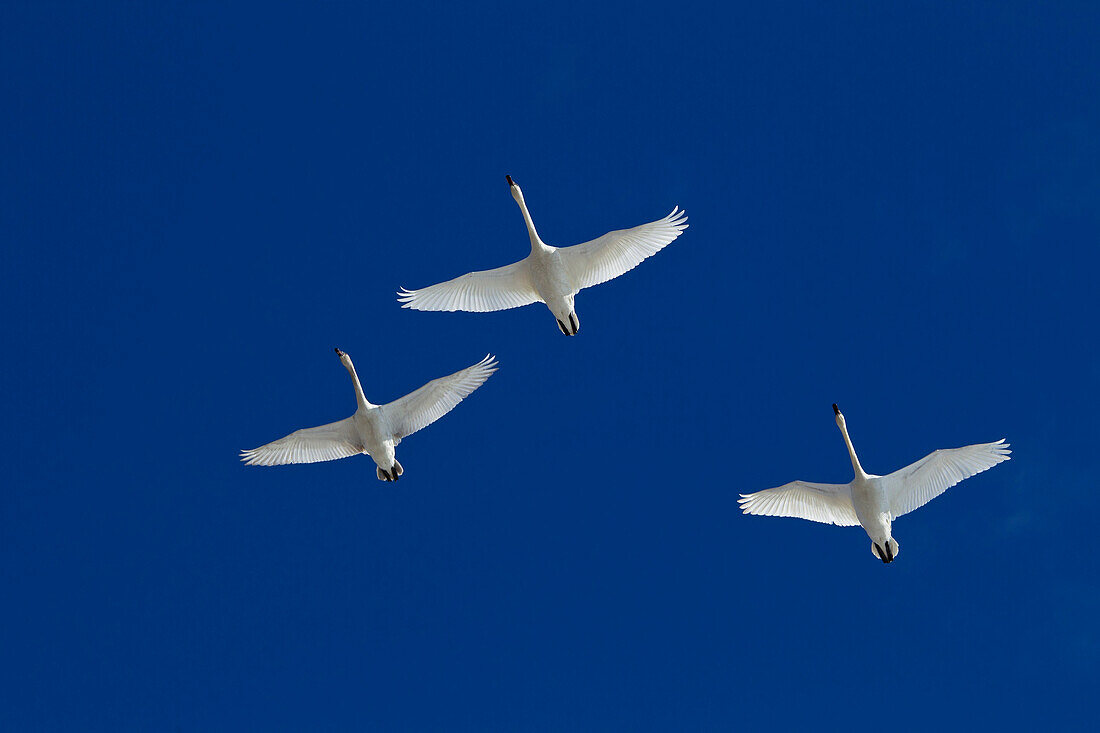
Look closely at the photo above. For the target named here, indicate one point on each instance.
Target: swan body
(374, 429)
(549, 275)
(874, 502)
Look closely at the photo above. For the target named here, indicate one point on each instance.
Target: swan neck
(536, 243)
(860, 473)
(360, 398)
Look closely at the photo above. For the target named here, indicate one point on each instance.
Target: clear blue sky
(892, 209)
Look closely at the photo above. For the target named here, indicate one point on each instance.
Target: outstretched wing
(435, 399)
(309, 445)
(486, 290)
(916, 485)
(620, 251)
(826, 503)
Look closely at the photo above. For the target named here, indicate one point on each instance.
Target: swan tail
(887, 551)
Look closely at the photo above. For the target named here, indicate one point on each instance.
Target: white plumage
(825, 503)
(479, 292)
(549, 275)
(309, 445)
(374, 429)
(871, 501)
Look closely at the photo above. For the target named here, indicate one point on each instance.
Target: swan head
(517, 194)
(344, 358)
(839, 416)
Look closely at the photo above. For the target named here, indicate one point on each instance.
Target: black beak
(338, 352)
(836, 410)
(510, 181)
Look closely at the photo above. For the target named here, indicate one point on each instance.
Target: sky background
(895, 209)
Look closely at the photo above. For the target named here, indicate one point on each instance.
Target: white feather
(826, 503)
(479, 292)
(915, 485)
(618, 252)
(309, 445)
(435, 399)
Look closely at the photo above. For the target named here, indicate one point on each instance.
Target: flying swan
(549, 275)
(874, 502)
(374, 429)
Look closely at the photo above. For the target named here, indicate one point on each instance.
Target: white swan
(549, 275)
(874, 502)
(374, 429)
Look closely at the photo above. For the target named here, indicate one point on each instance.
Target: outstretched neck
(360, 398)
(860, 473)
(536, 243)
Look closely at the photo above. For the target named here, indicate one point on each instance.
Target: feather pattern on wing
(620, 251)
(826, 503)
(435, 399)
(486, 290)
(309, 445)
(915, 485)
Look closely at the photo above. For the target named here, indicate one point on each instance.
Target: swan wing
(486, 290)
(309, 445)
(916, 485)
(435, 399)
(826, 503)
(620, 251)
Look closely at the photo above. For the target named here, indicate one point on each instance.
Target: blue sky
(891, 208)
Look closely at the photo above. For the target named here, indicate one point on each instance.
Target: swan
(374, 429)
(549, 275)
(874, 502)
